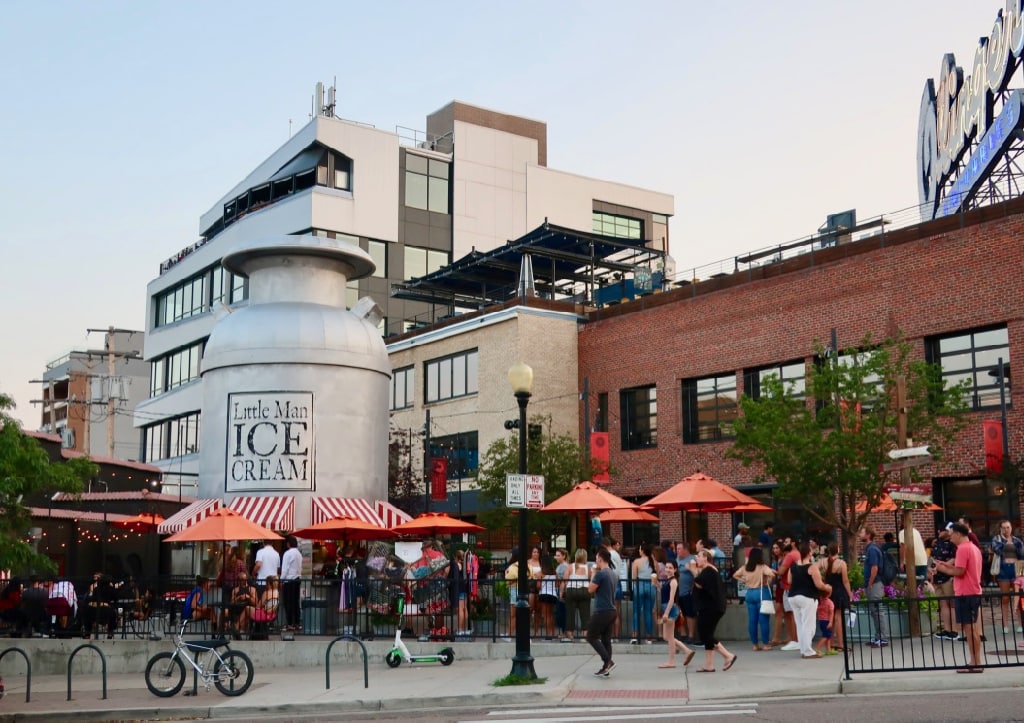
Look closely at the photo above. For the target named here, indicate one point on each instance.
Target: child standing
(826, 609)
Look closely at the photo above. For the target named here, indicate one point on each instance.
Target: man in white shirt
(63, 602)
(920, 555)
(268, 562)
(291, 573)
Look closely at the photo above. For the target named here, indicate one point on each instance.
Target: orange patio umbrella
(344, 528)
(627, 516)
(749, 507)
(699, 493)
(588, 497)
(222, 525)
(142, 522)
(432, 524)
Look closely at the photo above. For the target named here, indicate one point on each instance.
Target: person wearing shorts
(966, 573)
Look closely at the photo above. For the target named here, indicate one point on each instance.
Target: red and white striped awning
(390, 514)
(188, 516)
(274, 513)
(326, 508)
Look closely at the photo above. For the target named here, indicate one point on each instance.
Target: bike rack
(28, 664)
(327, 659)
(103, 660)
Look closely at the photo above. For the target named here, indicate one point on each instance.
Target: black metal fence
(926, 636)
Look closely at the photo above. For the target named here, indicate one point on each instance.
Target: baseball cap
(743, 526)
(949, 526)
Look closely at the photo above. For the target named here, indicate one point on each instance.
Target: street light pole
(520, 376)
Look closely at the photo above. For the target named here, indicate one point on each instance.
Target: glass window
(710, 408)
(157, 381)
(608, 224)
(462, 450)
(451, 377)
(426, 183)
(351, 294)
(415, 262)
(974, 356)
(378, 251)
(402, 388)
(639, 414)
(792, 375)
(436, 260)
(415, 190)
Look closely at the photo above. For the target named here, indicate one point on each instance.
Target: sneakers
(634, 641)
(606, 671)
(602, 672)
(791, 645)
(945, 635)
(878, 643)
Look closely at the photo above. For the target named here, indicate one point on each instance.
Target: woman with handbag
(757, 576)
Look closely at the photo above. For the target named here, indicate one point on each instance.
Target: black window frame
(638, 431)
(471, 384)
(691, 409)
(981, 396)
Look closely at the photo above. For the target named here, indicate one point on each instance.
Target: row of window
(197, 294)
(710, 405)
(176, 368)
(171, 438)
(462, 451)
(608, 224)
(447, 377)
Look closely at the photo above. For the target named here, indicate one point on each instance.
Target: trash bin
(314, 617)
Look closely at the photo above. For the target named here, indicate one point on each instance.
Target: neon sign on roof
(961, 109)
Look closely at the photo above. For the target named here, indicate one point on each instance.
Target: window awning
(274, 513)
(188, 516)
(307, 159)
(326, 508)
(390, 514)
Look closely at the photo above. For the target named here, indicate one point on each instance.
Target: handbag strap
(762, 584)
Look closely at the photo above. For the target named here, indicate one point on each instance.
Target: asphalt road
(990, 705)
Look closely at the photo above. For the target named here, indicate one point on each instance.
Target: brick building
(951, 285)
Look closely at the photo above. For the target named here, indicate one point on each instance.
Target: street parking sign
(524, 491)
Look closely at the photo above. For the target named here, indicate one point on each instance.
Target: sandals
(731, 662)
(705, 670)
(973, 669)
(689, 657)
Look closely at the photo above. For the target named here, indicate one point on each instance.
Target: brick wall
(924, 283)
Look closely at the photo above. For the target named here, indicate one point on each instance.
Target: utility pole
(426, 460)
(909, 558)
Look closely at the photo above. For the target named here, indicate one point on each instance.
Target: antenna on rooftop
(319, 106)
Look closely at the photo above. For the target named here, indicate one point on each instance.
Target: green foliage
(26, 472)
(824, 454)
(405, 488)
(855, 573)
(559, 457)
(501, 590)
(518, 680)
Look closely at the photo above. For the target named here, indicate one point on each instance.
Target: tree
(558, 457)
(825, 450)
(26, 472)
(405, 488)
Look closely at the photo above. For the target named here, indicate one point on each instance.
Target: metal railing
(933, 641)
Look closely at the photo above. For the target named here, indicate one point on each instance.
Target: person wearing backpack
(874, 562)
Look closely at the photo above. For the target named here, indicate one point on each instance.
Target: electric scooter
(398, 653)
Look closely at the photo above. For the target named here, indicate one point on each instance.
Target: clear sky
(122, 122)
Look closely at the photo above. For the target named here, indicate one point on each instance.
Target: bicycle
(231, 671)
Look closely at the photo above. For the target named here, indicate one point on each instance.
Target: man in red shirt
(966, 573)
(789, 559)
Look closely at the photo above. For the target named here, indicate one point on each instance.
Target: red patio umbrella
(701, 494)
(222, 525)
(142, 522)
(588, 497)
(432, 524)
(627, 516)
(344, 528)
(888, 504)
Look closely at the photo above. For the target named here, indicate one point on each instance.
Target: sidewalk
(570, 681)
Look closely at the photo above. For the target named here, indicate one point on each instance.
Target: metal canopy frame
(567, 264)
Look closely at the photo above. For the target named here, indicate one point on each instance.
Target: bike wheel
(393, 659)
(165, 674)
(233, 676)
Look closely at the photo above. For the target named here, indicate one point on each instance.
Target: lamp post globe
(520, 376)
